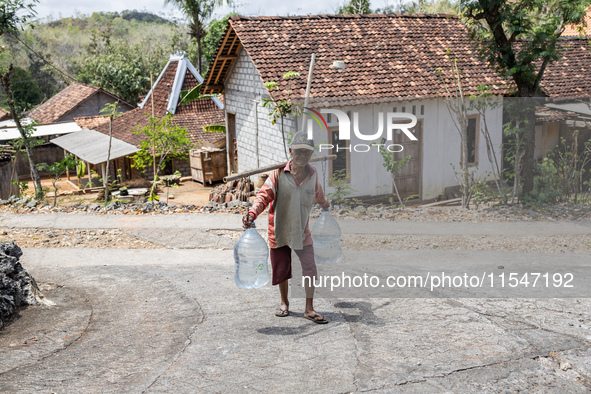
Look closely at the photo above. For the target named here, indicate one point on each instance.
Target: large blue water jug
(250, 258)
(326, 236)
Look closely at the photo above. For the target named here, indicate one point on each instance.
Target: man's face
(301, 156)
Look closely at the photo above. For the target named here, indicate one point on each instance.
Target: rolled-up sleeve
(265, 196)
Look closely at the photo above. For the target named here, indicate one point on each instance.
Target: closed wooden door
(408, 180)
(232, 148)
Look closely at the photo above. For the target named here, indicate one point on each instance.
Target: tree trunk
(284, 142)
(106, 174)
(527, 167)
(466, 189)
(11, 104)
(199, 54)
(396, 190)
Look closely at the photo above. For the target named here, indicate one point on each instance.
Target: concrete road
(172, 320)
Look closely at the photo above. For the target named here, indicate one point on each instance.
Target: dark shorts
(281, 263)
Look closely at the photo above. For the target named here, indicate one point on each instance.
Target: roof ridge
(84, 84)
(343, 16)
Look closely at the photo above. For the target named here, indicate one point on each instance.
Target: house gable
(76, 100)
(177, 75)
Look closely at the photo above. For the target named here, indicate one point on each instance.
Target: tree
(481, 103)
(25, 131)
(25, 89)
(111, 111)
(14, 14)
(457, 106)
(215, 30)
(281, 107)
(432, 7)
(519, 39)
(121, 68)
(57, 170)
(163, 140)
(197, 11)
(355, 7)
(394, 167)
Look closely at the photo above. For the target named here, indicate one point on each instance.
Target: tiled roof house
(393, 63)
(391, 66)
(178, 74)
(76, 100)
(567, 82)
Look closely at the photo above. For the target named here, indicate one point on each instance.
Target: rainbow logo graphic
(317, 117)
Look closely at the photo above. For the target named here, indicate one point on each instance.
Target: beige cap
(300, 141)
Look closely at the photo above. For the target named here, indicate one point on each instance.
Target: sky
(56, 9)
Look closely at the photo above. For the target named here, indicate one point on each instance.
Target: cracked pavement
(172, 320)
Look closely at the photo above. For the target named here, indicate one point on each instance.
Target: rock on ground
(17, 287)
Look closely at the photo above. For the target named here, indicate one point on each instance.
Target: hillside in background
(114, 50)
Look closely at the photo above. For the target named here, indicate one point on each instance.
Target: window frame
(333, 152)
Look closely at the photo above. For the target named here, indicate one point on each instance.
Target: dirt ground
(189, 192)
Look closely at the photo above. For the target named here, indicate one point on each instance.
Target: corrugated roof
(578, 108)
(11, 133)
(93, 146)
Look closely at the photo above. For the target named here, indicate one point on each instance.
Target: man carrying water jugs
(291, 191)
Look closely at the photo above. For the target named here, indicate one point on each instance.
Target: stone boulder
(17, 287)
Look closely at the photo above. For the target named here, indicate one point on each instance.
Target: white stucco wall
(440, 147)
(440, 141)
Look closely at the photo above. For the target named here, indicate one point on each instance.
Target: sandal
(314, 317)
(282, 312)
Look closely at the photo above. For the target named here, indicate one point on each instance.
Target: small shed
(208, 164)
(93, 147)
(11, 132)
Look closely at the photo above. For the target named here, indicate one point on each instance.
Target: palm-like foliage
(197, 11)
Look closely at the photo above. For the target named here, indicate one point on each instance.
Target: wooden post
(88, 170)
(67, 169)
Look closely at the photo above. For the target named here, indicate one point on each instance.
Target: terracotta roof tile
(91, 122)
(393, 56)
(573, 30)
(571, 75)
(193, 117)
(65, 101)
(546, 114)
(193, 121)
(387, 57)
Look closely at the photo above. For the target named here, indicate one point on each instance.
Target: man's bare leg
(310, 302)
(283, 290)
